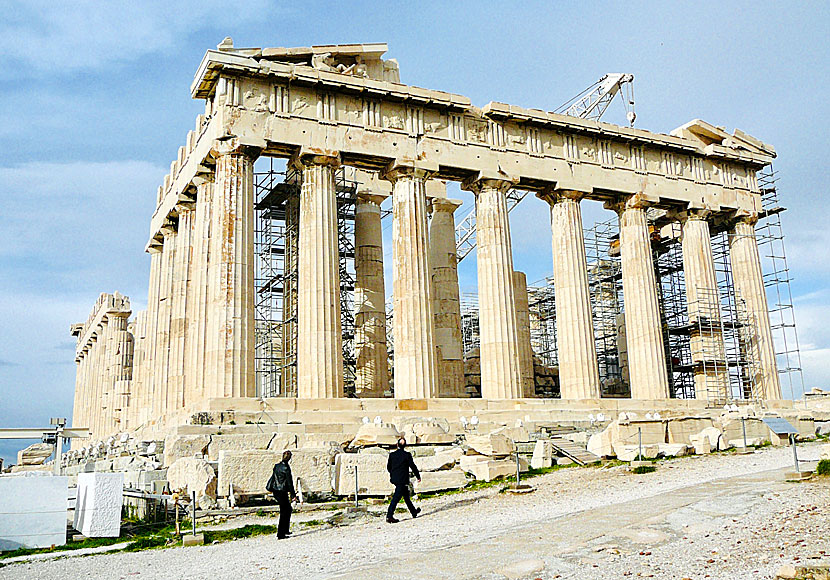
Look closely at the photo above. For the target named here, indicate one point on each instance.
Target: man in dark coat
(399, 463)
(284, 493)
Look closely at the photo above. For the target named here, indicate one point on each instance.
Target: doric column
(230, 316)
(643, 333)
(446, 302)
(97, 406)
(523, 333)
(319, 337)
(413, 328)
(576, 349)
(752, 302)
(120, 367)
(288, 378)
(500, 370)
(703, 303)
(144, 404)
(179, 308)
(138, 366)
(197, 295)
(372, 368)
(161, 360)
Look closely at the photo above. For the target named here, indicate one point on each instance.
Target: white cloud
(66, 37)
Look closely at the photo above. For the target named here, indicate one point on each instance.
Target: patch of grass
(643, 469)
(310, 523)
(823, 467)
(247, 531)
(87, 543)
(149, 542)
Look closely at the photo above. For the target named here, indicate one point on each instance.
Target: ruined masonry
(189, 359)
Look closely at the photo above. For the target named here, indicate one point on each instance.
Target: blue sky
(95, 103)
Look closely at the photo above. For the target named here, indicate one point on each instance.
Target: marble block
(98, 507)
(34, 511)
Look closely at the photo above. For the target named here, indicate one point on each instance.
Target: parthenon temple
(267, 295)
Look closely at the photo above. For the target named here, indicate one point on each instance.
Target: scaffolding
(770, 236)
(276, 239)
(470, 338)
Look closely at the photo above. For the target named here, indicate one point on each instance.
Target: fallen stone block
(372, 477)
(431, 433)
(439, 461)
(492, 445)
(440, 480)
(564, 461)
(681, 429)
(376, 434)
(190, 474)
(601, 444)
(513, 433)
(178, 446)
(702, 444)
(245, 442)
(98, 504)
(34, 511)
(246, 471)
(313, 468)
(630, 452)
(825, 452)
(35, 454)
(673, 449)
(542, 455)
(489, 469)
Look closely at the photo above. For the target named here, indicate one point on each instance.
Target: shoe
(417, 511)
(392, 521)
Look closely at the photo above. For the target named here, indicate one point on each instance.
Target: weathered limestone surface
(319, 338)
(446, 301)
(35, 454)
(413, 327)
(191, 474)
(708, 352)
(376, 434)
(578, 371)
(161, 360)
(496, 445)
(542, 455)
(179, 307)
(440, 480)
(372, 477)
(486, 469)
(177, 446)
(500, 368)
(643, 331)
(371, 366)
(752, 302)
(243, 442)
(523, 334)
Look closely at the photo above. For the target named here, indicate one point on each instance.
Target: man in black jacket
(284, 493)
(399, 463)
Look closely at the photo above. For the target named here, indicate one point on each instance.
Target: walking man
(283, 489)
(399, 463)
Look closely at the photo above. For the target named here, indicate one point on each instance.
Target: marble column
(161, 360)
(97, 406)
(752, 303)
(643, 332)
(230, 316)
(413, 327)
(288, 338)
(138, 366)
(500, 368)
(523, 333)
(197, 295)
(372, 367)
(319, 336)
(703, 303)
(446, 300)
(120, 368)
(144, 404)
(576, 349)
(179, 308)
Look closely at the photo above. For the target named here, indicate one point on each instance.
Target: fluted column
(576, 349)
(319, 337)
(703, 303)
(230, 316)
(179, 309)
(500, 368)
(523, 333)
(99, 388)
(446, 301)
(139, 364)
(288, 379)
(752, 300)
(643, 333)
(197, 295)
(120, 368)
(372, 368)
(161, 360)
(144, 406)
(413, 328)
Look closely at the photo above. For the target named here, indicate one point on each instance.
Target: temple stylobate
(328, 108)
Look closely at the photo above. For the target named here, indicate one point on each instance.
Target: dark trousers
(285, 513)
(401, 491)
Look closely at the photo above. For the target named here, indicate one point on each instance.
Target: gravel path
(717, 516)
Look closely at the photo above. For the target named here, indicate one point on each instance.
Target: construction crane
(593, 101)
(589, 104)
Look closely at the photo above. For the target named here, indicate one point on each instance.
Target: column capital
(499, 181)
(233, 145)
(742, 217)
(308, 156)
(444, 204)
(554, 196)
(368, 197)
(636, 201)
(409, 168)
(691, 214)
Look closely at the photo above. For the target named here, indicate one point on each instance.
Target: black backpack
(271, 486)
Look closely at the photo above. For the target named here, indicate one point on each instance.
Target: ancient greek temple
(328, 107)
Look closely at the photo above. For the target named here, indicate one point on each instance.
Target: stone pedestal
(446, 302)
(643, 332)
(703, 302)
(413, 329)
(523, 334)
(372, 367)
(319, 338)
(752, 307)
(578, 371)
(500, 373)
(230, 366)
